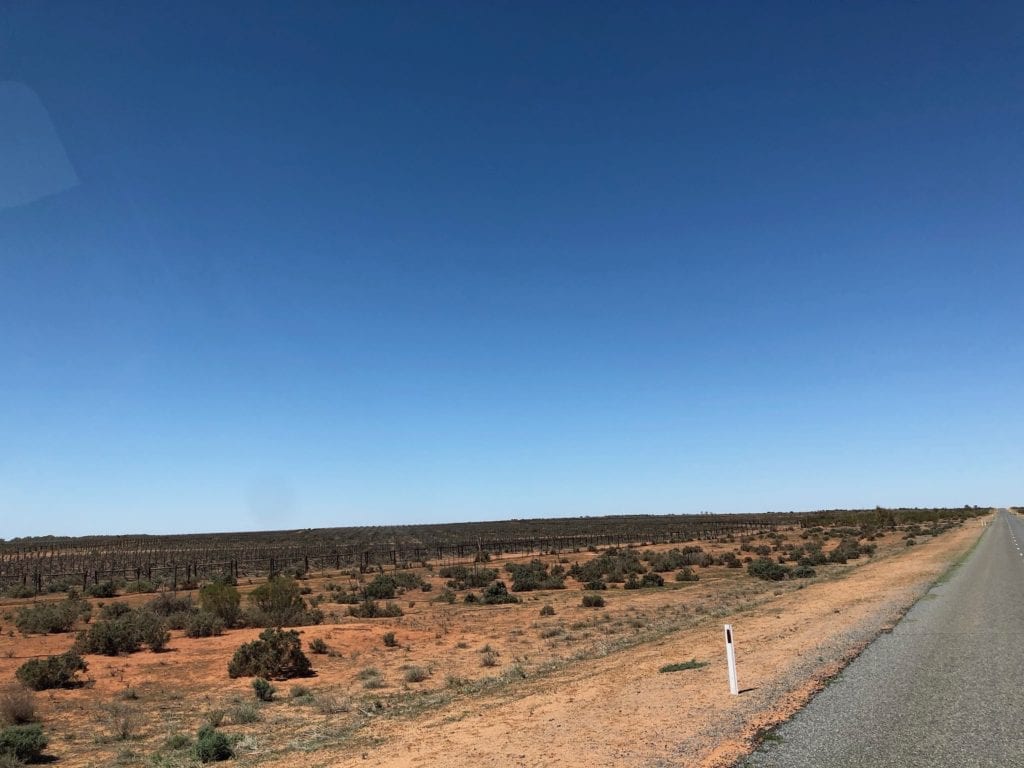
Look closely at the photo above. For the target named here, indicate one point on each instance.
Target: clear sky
(366, 263)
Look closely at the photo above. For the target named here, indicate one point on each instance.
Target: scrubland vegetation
(388, 642)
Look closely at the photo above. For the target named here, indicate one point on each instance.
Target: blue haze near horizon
(382, 263)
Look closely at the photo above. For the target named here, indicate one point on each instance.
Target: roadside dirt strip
(943, 689)
(620, 710)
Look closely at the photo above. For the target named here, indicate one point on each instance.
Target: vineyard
(51, 563)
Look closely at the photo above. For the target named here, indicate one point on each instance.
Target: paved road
(945, 688)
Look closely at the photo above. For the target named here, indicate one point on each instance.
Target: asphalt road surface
(943, 689)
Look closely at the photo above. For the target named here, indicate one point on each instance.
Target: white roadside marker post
(730, 655)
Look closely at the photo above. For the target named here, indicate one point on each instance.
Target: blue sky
(390, 263)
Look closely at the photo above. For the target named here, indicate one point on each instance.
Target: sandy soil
(592, 692)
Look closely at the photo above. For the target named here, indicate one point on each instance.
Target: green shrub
(389, 640)
(301, 692)
(278, 603)
(496, 594)
(114, 611)
(318, 645)
(416, 674)
(593, 601)
(167, 603)
(534, 575)
(612, 565)
(803, 572)
(46, 618)
(675, 559)
(381, 588)
(20, 591)
(103, 589)
(124, 634)
(369, 609)
(687, 574)
(139, 586)
(263, 689)
(52, 672)
(177, 741)
(212, 745)
(767, 570)
(730, 560)
(462, 577)
(595, 586)
(244, 713)
(277, 654)
(652, 580)
(632, 582)
(204, 624)
(223, 601)
(407, 580)
(23, 742)
(547, 610)
(812, 557)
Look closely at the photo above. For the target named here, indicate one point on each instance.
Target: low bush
(381, 588)
(687, 574)
(17, 705)
(318, 645)
(675, 559)
(534, 575)
(105, 589)
(174, 609)
(462, 577)
(803, 572)
(277, 655)
(595, 585)
(652, 580)
(389, 640)
(124, 634)
(408, 580)
(177, 741)
(58, 671)
(46, 618)
(212, 745)
(593, 601)
(139, 586)
(497, 594)
(767, 570)
(547, 610)
(223, 601)
(416, 674)
(730, 560)
(263, 689)
(612, 565)
(812, 556)
(23, 742)
(278, 602)
(204, 624)
(245, 712)
(114, 611)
